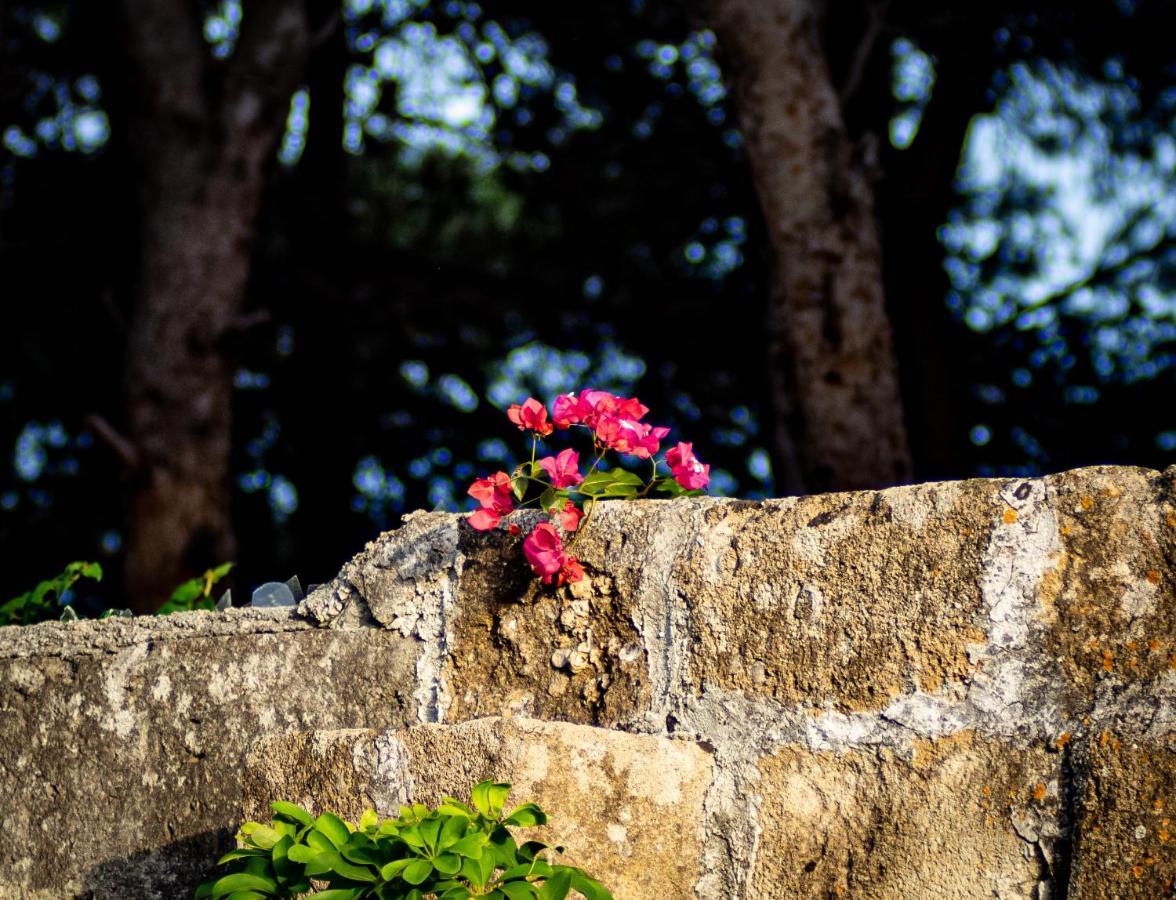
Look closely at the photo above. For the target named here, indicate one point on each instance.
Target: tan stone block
(525, 649)
(1126, 839)
(960, 817)
(628, 808)
(1111, 601)
(843, 598)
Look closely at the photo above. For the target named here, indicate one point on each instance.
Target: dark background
(271, 271)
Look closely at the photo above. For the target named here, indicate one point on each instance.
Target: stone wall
(952, 690)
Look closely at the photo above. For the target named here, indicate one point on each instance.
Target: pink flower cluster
(616, 424)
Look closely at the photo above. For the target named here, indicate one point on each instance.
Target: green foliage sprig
(454, 852)
(195, 593)
(44, 601)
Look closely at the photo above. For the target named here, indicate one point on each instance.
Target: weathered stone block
(122, 742)
(628, 808)
(845, 597)
(960, 817)
(1125, 846)
(1110, 600)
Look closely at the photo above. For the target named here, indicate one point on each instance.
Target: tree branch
(122, 446)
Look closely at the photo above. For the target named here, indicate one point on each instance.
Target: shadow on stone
(169, 872)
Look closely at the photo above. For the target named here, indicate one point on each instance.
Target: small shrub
(453, 852)
(44, 601)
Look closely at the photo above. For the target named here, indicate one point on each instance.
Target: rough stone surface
(122, 741)
(958, 817)
(1127, 813)
(901, 647)
(627, 807)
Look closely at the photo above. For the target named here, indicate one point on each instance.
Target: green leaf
(430, 831)
(614, 483)
(394, 868)
(557, 886)
(518, 485)
(526, 816)
(292, 811)
(497, 796)
(417, 871)
(319, 841)
(456, 893)
(448, 863)
(340, 894)
(334, 828)
(242, 881)
(362, 850)
(262, 836)
(519, 890)
(369, 821)
(480, 797)
(451, 806)
(303, 854)
(279, 857)
(553, 499)
(471, 845)
(452, 831)
(242, 853)
(589, 887)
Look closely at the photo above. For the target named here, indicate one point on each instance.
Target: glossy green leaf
(526, 816)
(417, 871)
(589, 887)
(471, 845)
(557, 886)
(453, 830)
(292, 811)
(519, 890)
(334, 828)
(242, 881)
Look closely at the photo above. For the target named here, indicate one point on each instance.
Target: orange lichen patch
(1065, 531)
(1104, 738)
(1172, 520)
(1010, 516)
(1172, 661)
(1039, 791)
(1163, 835)
(1092, 644)
(1108, 660)
(1063, 739)
(1137, 871)
(1086, 502)
(1153, 576)
(986, 791)
(1153, 645)
(1130, 645)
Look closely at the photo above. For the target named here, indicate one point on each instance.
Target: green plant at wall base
(44, 601)
(454, 852)
(196, 593)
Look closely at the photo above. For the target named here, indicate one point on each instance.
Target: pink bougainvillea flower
(687, 469)
(544, 551)
(565, 411)
(530, 415)
(570, 572)
(591, 405)
(570, 516)
(630, 436)
(496, 499)
(484, 519)
(563, 469)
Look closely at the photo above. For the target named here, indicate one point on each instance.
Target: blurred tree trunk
(205, 135)
(832, 370)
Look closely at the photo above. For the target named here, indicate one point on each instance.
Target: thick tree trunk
(204, 157)
(839, 421)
